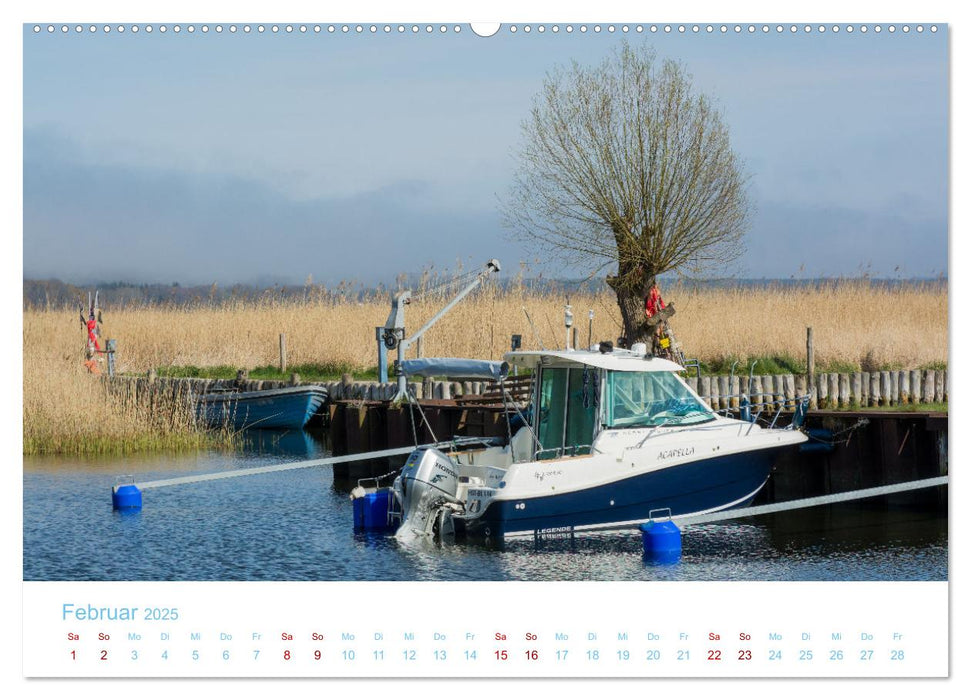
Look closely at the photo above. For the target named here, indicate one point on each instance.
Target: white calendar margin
(396, 629)
(507, 10)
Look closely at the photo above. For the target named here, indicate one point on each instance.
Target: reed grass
(857, 324)
(66, 410)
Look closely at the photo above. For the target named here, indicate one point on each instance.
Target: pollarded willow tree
(625, 165)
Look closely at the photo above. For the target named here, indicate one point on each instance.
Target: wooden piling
(756, 390)
(927, 392)
(844, 390)
(810, 358)
(734, 389)
(834, 389)
(856, 387)
(874, 398)
(283, 352)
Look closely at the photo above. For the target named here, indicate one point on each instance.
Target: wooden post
(418, 349)
(704, 389)
(915, 386)
(810, 359)
(734, 389)
(756, 390)
(927, 395)
(834, 389)
(844, 390)
(885, 391)
(283, 352)
(903, 386)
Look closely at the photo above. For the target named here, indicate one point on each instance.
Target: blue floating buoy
(662, 541)
(126, 497)
(372, 509)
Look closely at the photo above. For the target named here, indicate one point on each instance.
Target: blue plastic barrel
(662, 541)
(371, 510)
(126, 497)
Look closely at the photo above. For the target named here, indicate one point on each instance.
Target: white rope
(733, 513)
(295, 465)
(810, 502)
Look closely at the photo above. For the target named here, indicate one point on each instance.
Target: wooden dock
(849, 448)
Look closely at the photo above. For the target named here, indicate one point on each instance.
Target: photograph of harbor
(413, 302)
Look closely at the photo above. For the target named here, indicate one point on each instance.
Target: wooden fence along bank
(828, 390)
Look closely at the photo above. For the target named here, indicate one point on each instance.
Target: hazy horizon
(245, 158)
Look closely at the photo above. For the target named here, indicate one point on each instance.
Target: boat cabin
(577, 394)
(580, 393)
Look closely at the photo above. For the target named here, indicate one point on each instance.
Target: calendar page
(378, 345)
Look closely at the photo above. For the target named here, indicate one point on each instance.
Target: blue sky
(245, 157)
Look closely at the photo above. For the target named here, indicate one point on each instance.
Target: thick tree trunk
(631, 298)
(631, 290)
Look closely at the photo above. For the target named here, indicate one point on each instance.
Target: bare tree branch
(623, 163)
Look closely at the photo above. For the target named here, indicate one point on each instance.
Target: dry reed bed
(900, 328)
(67, 410)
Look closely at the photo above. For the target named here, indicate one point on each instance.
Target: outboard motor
(426, 493)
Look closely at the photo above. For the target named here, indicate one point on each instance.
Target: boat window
(652, 399)
(568, 403)
(581, 412)
(552, 400)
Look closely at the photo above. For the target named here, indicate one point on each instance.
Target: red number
(714, 655)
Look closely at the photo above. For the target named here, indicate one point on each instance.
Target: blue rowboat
(290, 407)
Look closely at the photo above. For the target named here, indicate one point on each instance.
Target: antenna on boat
(568, 322)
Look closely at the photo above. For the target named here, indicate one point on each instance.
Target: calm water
(297, 525)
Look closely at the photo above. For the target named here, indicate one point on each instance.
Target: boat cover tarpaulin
(456, 367)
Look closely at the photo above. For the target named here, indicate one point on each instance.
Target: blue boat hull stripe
(697, 487)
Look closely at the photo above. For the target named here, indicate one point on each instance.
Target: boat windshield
(651, 399)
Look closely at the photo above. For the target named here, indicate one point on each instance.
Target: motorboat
(609, 439)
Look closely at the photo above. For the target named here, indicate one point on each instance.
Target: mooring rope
(327, 461)
(815, 501)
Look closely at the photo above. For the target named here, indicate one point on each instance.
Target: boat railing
(746, 407)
